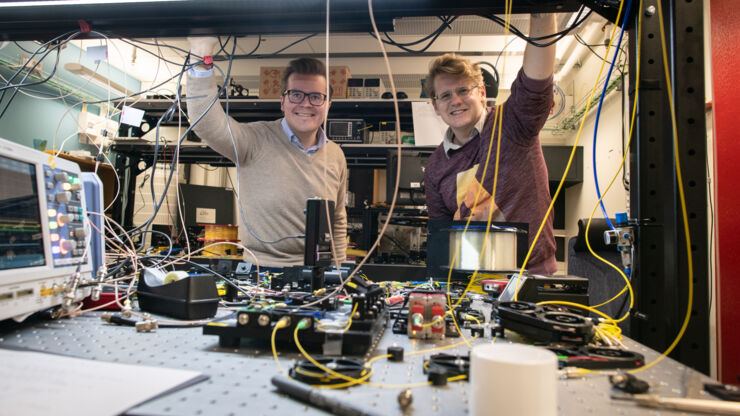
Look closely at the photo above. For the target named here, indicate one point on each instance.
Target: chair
(603, 281)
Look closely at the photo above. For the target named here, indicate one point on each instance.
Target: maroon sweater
(522, 193)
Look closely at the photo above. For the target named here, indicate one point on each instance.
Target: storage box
(338, 77)
(194, 297)
(271, 78)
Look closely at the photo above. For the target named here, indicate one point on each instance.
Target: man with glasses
(455, 171)
(281, 163)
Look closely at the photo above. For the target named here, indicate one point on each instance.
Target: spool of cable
(154, 277)
(175, 276)
(513, 379)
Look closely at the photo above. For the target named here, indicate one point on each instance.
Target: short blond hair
(452, 64)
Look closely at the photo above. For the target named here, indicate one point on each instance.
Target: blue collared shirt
(294, 139)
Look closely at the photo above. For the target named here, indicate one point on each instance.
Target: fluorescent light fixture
(75, 2)
(99, 79)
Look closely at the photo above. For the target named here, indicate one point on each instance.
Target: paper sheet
(34, 383)
(429, 128)
(131, 116)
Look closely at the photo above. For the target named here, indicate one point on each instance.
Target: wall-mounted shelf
(245, 110)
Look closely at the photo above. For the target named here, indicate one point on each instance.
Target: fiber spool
(218, 249)
(513, 379)
(221, 232)
(216, 234)
(475, 249)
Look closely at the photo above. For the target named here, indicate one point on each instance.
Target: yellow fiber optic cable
(682, 198)
(352, 380)
(282, 323)
(570, 159)
(628, 285)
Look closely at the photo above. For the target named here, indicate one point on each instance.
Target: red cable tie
(84, 27)
(208, 60)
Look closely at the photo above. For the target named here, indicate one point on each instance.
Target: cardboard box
(338, 77)
(271, 78)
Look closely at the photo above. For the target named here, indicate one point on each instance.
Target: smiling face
(459, 112)
(305, 119)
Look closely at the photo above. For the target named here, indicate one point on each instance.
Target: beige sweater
(275, 178)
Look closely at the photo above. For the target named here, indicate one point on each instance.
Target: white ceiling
(471, 35)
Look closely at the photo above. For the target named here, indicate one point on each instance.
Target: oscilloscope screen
(21, 236)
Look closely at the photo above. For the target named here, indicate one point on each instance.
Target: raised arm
(539, 63)
(201, 46)
(201, 92)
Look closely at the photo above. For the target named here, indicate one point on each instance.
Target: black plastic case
(194, 297)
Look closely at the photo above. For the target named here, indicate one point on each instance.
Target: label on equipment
(205, 215)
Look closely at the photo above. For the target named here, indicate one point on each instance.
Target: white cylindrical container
(197, 175)
(513, 379)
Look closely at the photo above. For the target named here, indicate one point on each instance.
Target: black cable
(152, 88)
(169, 241)
(182, 138)
(209, 270)
(711, 234)
(445, 25)
(502, 51)
(397, 244)
(21, 47)
(167, 114)
(446, 21)
(533, 40)
(223, 45)
(259, 43)
(251, 54)
(398, 314)
(8, 84)
(143, 182)
(236, 161)
(20, 85)
(156, 149)
(192, 125)
(133, 42)
(118, 319)
(590, 48)
(187, 66)
(625, 181)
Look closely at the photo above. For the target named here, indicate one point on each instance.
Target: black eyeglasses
(297, 96)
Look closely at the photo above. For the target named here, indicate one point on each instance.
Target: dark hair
(305, 66)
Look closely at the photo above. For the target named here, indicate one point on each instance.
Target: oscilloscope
(44, 232)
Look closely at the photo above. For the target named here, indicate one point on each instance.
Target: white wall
(581, 199)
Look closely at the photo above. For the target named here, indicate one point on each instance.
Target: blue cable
(598, 114)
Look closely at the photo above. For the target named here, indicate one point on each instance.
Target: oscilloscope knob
(66, 245)
(64, 196)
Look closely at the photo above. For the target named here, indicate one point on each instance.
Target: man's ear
(434, 105)
(482, 89)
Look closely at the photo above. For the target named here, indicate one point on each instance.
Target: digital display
(21, 236)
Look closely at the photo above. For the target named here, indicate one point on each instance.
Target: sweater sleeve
(527, 108)
(211, 124)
